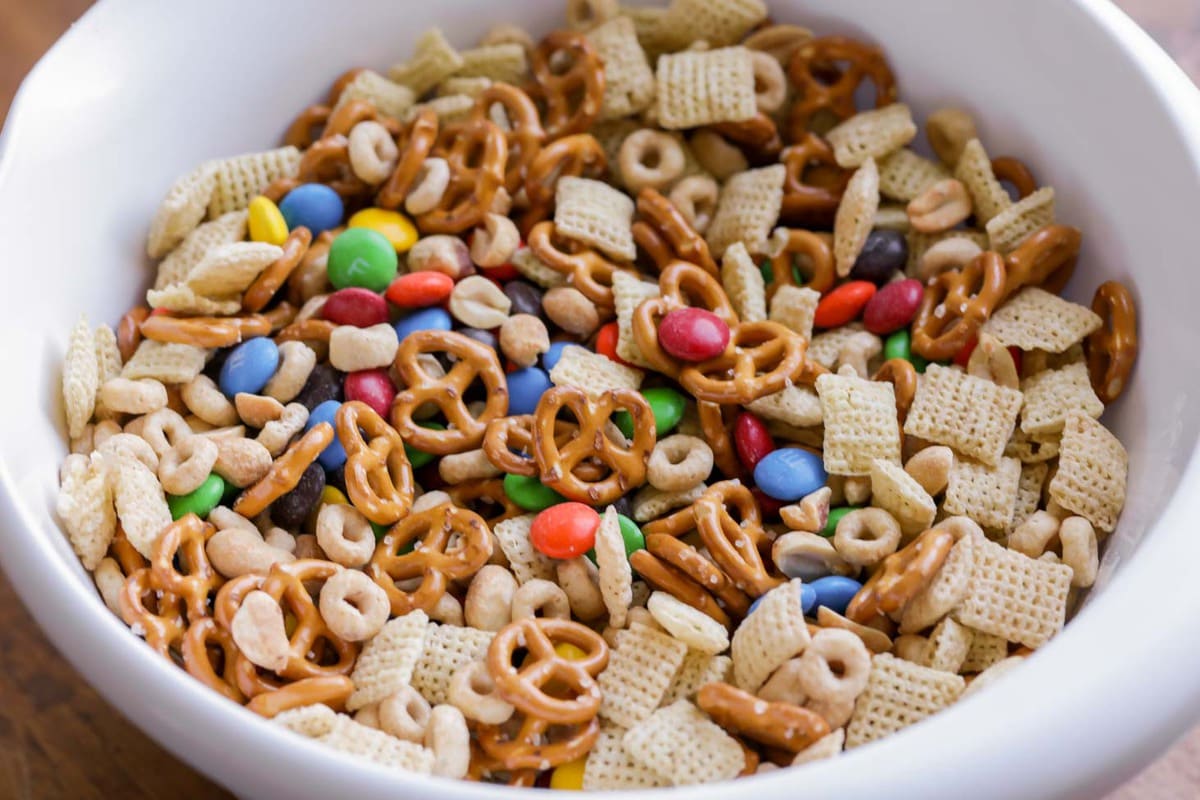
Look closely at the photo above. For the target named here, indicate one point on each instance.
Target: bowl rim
(136, 673)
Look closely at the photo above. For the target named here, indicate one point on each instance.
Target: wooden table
(59, 739)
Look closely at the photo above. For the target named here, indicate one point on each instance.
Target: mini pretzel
(307, 330)
(1112, 348)
(180, 566)
(575, 696)
(699, 570)
(818, 258)
(902, 575)
(666, 236)
(285, 471)
(272, 279)
(343, 118)
(1046, 259)
(813, 184)
(203, 637)
(903, 375)
(590, 272)
(758, 135)
(716, 421)
(327, 161)
(956, 304)
(508, 444)
(1014, 171)
(305, 128)
(815, 63)
(448, 392)
(522, 746)
(783, 725)
(329, 690)
(490, 769)
(477, 153)
(311, 278)
(379, 479)
(572, 96)
(158, 616)
(762, 358)
(733, 542)
(557, 465)
(665, 577)
(415, 147)
(487, 498)
(447, 543)
(579, 155)
(681, 285)
(525, 133)
(204, 331)
(129, 331)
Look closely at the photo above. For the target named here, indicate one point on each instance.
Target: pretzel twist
(666, 236)
(379, 479)
(956, 303)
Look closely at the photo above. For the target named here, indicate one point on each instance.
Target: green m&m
(362, 257)
(666, 404)
(530, 493)
(200, 501)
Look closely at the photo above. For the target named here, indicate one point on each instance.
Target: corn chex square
(948, 646)
(181, 210)
(1029, 493)
(718, 22)
(861, 424)
(526, 262)
(1032, 448)
(855, 216)
(182, 299)
(592, 372)
(374, 745)
(986, 649)
(472, 87)
(697, 88)
(903, 175)
(949, 586)
(628, 294)
(639, 672)
(1020, 220)
(231, 268)
(434, 59)
(447, 647)
(389, 98)
(387, 661)
(684, 746)
(596, 214)
(774, 633)
(826, 347)
(972, 415)
(612, 566)
(225, 229)
(899, 494)
(81, 377)
(525, 561)
(1092, 470)
(1052, 394)
(650, 503)
(872, 134)
(974, 171)
(610, 768)
(1019, 598)
(240, 178)
(141, 504)
(743, 282)
(502, 63)
(311, 721)
(747, 210)
(986, 494)
(1034, 319)
(629, 83)
(166, 362)
(899, 693)
(794, 308)
(797, 406)
(698, 668)
(85, 506)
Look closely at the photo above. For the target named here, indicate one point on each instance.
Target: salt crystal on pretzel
(526, 562)
(650, 503)
(225, 229)
(312, 721)
(639, 672)
(743, 282)
(628, 294)
(1032, 449)
(181, 210)
(166, 362)
(774, 633)
(81, 377)
(447, 648)
(794, 308)
(596, 214)
(797, 406)
(948, 646)
(526, 262)
(240, 178)
(919, 243)
(855, 215)
(1052, 394)
(718, 22)
(986, 650)
(860, 423)
(694, 628)
(182, 299)
(903, 175)
(592, 372)
(231, 268)
(899, 693)
(875, 133)
(1029, 493)
(1019, 221)
(698, 668)
(1092, 471)
(747, 210)
(434, 59)
(388, 659)
(986, 494)
(697, 88)
(374, 745)
(1014, 596)
(628, 79)
(1034, 319)
(389, 98)
(974, 171)
(684, 746)
(616, 576)
(141, 504)
(85, 506)
(972, 415)
(610, 768)
(899, 494)
(502, 63)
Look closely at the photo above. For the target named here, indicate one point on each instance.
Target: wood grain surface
(59, 739)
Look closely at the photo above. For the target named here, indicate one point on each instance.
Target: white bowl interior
(139, 93)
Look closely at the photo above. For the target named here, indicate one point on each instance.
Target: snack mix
(631, 408)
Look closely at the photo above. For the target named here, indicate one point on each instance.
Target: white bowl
(139, 92)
